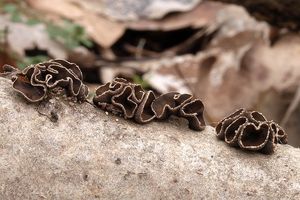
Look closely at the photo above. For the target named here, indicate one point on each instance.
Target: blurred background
(228, 55)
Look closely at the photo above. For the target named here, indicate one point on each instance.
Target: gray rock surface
(87, 154)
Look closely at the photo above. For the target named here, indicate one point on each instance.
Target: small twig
(140, 48)
(292, 107)
(145, 52)
(185, 44)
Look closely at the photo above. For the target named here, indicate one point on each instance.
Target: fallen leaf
(248, 76)
(225, 51)
(95, 6)
(202, 15)
(281, 62)
(103, 30)
(62, 8)
(125, 10)
(32, 37)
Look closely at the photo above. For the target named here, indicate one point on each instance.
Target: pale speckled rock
(87, 154)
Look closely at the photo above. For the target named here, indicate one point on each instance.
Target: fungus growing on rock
(144, 112)
(8, 71)
(119, 97)
(182, 105)
(36, 81)
(169, 104)
(133, 102)
(250, 130)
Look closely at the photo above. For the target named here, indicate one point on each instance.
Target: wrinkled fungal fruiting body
(250, 130)
(36, 81)
(8, 70)
(133, 102)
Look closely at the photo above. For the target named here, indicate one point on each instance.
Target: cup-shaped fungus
(36, 81)
(222, 125)
(193, 112)
(144, 113)
(169, 104)
(181, 105)
(250, 130)
(120, 97)
(132, 101)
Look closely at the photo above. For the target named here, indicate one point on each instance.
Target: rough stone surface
(87, 154)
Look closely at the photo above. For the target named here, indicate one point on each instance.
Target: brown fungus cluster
(36, 81)
(250, 130)
(133, 102)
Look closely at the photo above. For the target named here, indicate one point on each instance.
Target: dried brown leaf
(202, 15)
(126, 10)
(31, 37)
(104, 31)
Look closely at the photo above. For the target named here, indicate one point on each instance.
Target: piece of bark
(86, 154)
(281, 13)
